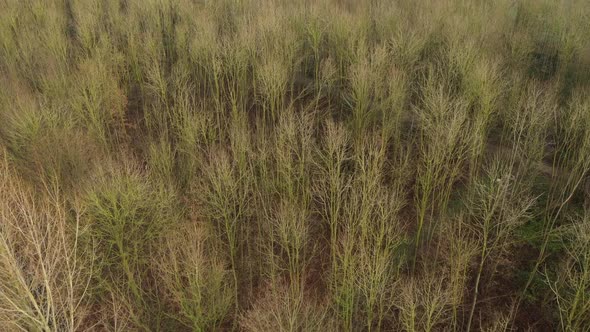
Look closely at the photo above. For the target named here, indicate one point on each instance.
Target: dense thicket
(339, 165)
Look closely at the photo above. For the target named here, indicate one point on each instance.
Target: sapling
(225, 199)
(442, 151)
(497, 205)
(571, 283)
(334, 184)
(195, 278)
